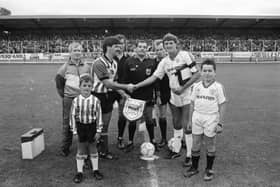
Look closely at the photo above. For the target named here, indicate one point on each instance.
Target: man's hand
(131, 87)
(219, 128)
(97, 136)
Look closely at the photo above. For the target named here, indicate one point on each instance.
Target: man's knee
(196, 143)
(211, 149)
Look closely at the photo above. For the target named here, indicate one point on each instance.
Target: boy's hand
(219, 128)
(97, 136)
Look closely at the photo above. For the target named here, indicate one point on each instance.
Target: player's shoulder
(99, 62)
(184, 53)
(94, 98)
(218, 84)
(164, 59)
(197, 84)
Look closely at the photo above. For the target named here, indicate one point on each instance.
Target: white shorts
(204, 123)
(180, 100)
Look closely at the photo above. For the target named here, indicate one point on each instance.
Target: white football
(147, 149)
(174, 144)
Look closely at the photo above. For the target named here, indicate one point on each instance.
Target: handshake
(131, 87)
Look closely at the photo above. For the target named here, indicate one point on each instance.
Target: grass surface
(247, 151)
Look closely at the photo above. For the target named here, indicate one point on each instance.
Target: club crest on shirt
(148, 71)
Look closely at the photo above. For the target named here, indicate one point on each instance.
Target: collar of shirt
(85, 97)
(141, 59)
(119, 57)
(111, 61)
(74, 63)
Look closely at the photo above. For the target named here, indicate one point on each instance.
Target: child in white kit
(207, 109)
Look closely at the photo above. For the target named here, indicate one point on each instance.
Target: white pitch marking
(150, 165)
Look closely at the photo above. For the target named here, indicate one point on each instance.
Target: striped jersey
(86, 111)
(102, 69)
(207, 98)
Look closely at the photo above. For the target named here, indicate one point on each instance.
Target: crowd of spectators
(57, 41)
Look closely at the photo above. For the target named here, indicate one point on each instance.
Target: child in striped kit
(86, 122)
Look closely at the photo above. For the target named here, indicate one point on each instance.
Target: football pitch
(247, 151)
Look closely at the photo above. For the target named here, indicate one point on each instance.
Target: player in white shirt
(207, 110)
(172, 65)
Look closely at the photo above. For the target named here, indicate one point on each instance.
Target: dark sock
(103, 147)
(150, 129)
(210, 161)
(195, 158)
(121, 126)
(131, 130)
(162, 125)
(195, 161)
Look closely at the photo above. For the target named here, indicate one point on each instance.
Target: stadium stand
(230, 38)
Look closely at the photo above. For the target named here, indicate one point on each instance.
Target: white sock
(188, 139)
(178, 133)
(80, 164)
(94, 161)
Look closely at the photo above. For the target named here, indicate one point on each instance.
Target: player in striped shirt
(86, 122)
(107, 89)
(208, 102)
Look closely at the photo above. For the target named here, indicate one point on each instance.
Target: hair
(109, 42)
(209, 61)
(74, 45)
(85, 78)
(158, 42)
(141, 41)
(120, 37)
(170, 37)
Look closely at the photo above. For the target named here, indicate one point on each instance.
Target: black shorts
(107, 100)
(86, 132)
(164, 98)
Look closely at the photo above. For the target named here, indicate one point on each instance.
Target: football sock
(195, 159)
(188, 139)
(131, 130)
(121, 126)
(104, 143)
(94, 161)
(162, 125)
(210, 161)
(80, 163)
(150, 129)
(178, 133)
